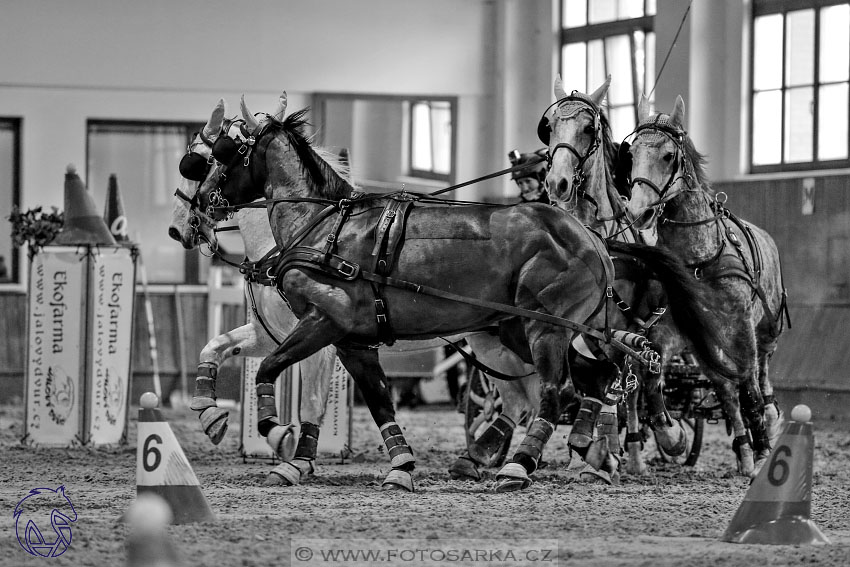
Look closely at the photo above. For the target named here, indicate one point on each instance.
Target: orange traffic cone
(82, 223)
(162, 467)
(777, 506)
(148, 544)
(113, 213)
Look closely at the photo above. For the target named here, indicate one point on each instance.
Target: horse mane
(602, 167)
(325, 172)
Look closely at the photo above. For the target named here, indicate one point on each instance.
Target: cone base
(787, 530)
(188, 503)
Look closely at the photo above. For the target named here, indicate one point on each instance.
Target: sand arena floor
(672, 517)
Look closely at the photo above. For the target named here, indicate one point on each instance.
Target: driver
(531, 178)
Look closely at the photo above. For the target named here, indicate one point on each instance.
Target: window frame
(15, 124)
(771, 7)
(192, 261)
(424, 173)
(601, 31)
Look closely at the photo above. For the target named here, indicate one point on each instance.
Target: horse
(189, 227)
(268, 322)
(499, 262)
(582, 180)
(737, 260)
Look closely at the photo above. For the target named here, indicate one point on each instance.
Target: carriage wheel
(482, 405)
(694, 428)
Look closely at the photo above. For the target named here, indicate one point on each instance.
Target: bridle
(544, 130)
(680, 172)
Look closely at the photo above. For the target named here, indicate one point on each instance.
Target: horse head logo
(59, 388)
(37, 506)
(113, 394)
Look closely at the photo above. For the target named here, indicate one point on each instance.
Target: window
(10, 196)
(144, 157)
(609, 37)
(392, 141)
(431, 139)
(800, 77)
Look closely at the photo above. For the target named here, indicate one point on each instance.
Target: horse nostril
(174, 233)
(563, 187)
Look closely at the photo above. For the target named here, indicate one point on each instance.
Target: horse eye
(668, 156)
(588, 129)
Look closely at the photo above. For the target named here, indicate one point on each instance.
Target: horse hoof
(464, 468)
(664, 437)
(597, 453)
(511, 478)
(289, 473)
(398, 480)
(759, 460)
(592, 475)
(282, 441)
(214, 422)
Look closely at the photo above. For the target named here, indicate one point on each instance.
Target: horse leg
(550, 362)
(594, 435)
(246, 340)
(634, 439)
(311, 333)
(752, 409)
(497, 437)
(741, 445)
(316, 373)
(773, 415)
(365, 368)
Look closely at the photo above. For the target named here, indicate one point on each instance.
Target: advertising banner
(113, 278)
(56, 330)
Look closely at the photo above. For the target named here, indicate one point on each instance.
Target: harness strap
(258, 316)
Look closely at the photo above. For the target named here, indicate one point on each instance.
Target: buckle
(609, 292)
(698, 273)
(347, 270)
(380, 311)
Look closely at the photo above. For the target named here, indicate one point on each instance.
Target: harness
(722, 263)
(725, 263)
(389, 236)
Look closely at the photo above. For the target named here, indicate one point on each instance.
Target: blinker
(225, 150)
(194, 167)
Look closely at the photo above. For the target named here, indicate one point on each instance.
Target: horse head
(240, 156)
(664, 163)
(578, 136)
(189, 222)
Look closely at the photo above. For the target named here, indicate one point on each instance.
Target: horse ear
(251, 123)
(213, 125)
(678, 116)
(280, 111)
(643, 108)
(559, 88)
(599, 94)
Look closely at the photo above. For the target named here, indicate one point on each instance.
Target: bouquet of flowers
(35, 227)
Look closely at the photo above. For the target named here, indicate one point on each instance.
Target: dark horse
(353, 282)
(738, 261)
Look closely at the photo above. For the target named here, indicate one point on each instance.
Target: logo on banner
(36, 513)
(113, 395)
(59, 394)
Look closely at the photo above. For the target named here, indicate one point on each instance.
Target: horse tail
(689, 307)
